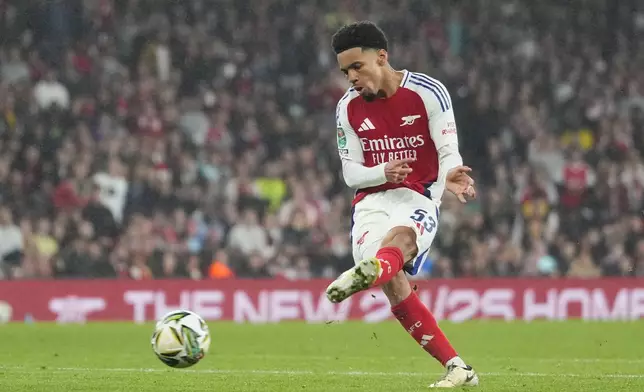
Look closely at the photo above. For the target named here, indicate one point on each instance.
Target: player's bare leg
(385, 270)
(378, 270)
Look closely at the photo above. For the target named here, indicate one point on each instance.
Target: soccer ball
(181, 339)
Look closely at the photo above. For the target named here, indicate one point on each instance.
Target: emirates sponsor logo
(392, 143)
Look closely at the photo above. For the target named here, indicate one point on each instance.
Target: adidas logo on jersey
(366, 125)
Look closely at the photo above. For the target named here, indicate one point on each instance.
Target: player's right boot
(358, 278)
(457, 376)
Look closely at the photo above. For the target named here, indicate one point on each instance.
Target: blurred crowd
(159, 139)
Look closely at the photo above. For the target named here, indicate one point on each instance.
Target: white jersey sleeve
(442, 127)
(355, 174)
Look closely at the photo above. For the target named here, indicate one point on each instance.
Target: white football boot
(353, 280)
(457, 376)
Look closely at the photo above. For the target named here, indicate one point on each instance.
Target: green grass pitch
(559, 356)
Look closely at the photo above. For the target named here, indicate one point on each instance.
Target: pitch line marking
(478, 359)
(312, 373)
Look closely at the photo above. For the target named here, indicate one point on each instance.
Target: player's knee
(397, 289)
(403, 238)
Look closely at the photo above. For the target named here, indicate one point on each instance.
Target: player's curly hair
(364, 34)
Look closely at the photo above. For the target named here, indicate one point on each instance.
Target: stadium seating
(164, 139)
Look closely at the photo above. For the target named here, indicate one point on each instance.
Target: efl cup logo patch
(342, 138)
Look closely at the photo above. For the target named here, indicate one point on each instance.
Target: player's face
(364, 69)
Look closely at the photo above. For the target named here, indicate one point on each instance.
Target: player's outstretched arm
(442, 125)
(460, 183)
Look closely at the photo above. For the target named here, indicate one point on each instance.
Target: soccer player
(397, 139)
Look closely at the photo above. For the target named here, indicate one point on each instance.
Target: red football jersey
(415, 122)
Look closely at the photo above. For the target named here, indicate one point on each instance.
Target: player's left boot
(457, 376)
(358, 278)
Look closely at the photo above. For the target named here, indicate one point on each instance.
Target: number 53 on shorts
(425, 222)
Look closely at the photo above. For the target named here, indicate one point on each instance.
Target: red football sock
(421, 325)
(391, 261)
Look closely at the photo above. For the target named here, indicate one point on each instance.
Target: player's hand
(397, 170)
(460, 183)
